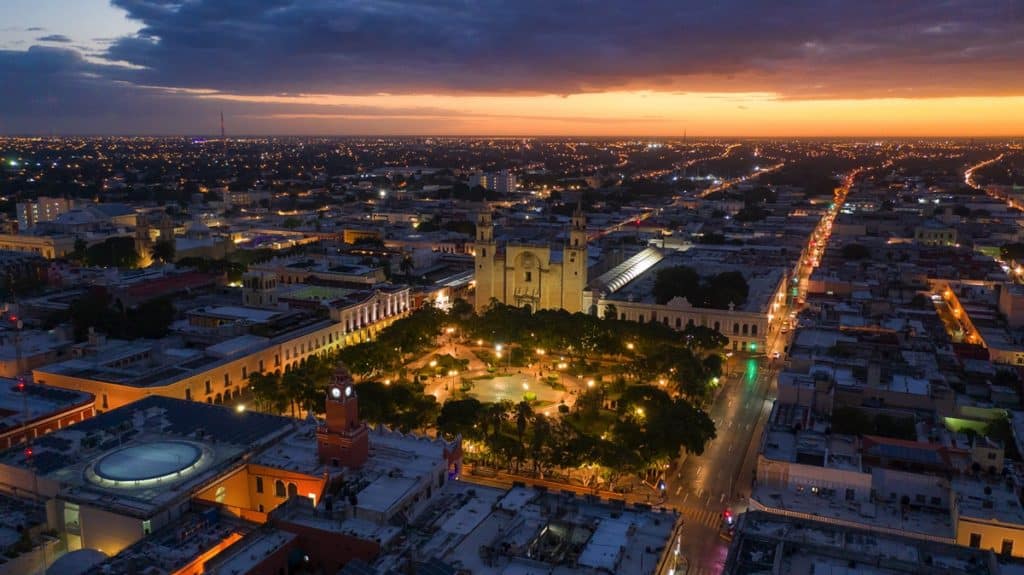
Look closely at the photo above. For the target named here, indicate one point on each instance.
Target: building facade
(538, 276)
(42, 210)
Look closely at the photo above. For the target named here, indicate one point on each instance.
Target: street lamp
(240, 408)
(590, 383)
(630, 346)
(451, 373)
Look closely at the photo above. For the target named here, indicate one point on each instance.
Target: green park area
(547, 392)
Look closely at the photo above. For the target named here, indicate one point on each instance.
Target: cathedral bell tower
(343, 440)
(484, 252)
(574, 263)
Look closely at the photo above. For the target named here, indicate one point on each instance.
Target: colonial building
(534, 274)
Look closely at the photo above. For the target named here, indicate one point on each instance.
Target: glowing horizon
(636, 113)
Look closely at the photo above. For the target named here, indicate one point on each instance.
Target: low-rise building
(29, 411)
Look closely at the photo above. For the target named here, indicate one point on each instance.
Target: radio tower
(223, 139)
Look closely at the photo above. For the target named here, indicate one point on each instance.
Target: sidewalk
(494, 478)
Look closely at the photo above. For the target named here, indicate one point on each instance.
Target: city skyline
(921, 69)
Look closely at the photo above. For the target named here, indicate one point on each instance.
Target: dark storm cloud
(56, 90)
(802, 48)
(60, 38)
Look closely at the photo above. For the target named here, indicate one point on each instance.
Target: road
(730, 183)
(704, 486)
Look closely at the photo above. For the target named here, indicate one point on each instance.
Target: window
(718, 326)
(753, 330)
(735, 328)
(293, 490)
(221, 494)
(245, 373)
(279, 489)
(991, 455)
(745, 329)
(188, 394)
(147, 528)
(679, 322)
(640, 318)
(259, 485)
(528, 276)
(105, 404)
(227, 379)
(483, 252)
(1007, 547)
(208, 388)
(976, 540)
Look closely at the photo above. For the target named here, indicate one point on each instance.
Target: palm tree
(541, 436)
(406, 266)
(292, 384)
(523, 415)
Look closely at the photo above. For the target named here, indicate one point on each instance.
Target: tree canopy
(716, 292)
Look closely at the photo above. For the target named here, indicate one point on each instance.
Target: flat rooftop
(878, 514)
(138, 458)
(988, 501)
(177, 545)
(249, 552)
(809, 547)
(136, 364)
(40, 401)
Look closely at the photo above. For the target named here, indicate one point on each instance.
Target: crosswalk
(702, 516)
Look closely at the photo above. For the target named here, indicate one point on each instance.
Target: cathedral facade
(534, 275)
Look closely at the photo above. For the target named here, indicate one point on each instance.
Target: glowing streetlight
(387, 382)
(498, 347)
(240, 408)
(630, 346)
(590, 383)
(433, 363)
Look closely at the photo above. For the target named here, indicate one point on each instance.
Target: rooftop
(185, 541)
(148, 454)
(40, 401)
(809, 547)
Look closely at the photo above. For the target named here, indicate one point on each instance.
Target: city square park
(548, 393)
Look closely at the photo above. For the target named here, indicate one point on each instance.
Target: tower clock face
(336, 392)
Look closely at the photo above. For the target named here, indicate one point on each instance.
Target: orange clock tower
(343, 440)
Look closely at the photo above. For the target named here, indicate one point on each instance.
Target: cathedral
(527, 274)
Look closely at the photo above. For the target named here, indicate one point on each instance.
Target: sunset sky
(530, 67)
